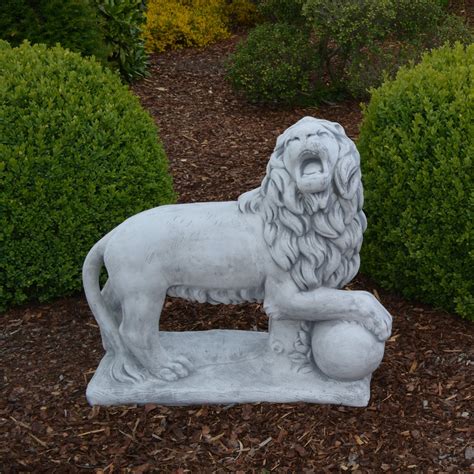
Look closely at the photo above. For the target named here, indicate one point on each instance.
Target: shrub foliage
(75, 24)
(123, 21)
(241, 13)
(180, 23)
(356, 43)
(108, 29)
(174, 24)
(360, 41)
(78, 155)
(282, 11)
(417, 148)
(275, 64)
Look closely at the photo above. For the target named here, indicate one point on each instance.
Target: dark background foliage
(108, 29)
(354, 45)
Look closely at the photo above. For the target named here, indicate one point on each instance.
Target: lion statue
(292, 244)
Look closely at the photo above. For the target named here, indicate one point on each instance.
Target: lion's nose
(312, 140)
(314, 145)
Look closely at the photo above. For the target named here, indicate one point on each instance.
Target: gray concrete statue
(292, 244)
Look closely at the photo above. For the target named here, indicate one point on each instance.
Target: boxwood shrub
(78, 155)
(417, 148)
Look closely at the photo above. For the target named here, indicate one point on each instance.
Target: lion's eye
(292, 140)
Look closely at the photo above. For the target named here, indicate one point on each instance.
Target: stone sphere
(345, 350)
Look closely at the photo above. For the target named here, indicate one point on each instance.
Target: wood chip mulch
(419, 416)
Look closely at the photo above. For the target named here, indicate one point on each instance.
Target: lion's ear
(347, 176)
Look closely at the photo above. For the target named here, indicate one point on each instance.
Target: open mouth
(313, 174)
(311, 164)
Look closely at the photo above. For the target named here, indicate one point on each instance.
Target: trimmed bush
(417, 148)
(274, 65)
(78, 155)
(182, 23)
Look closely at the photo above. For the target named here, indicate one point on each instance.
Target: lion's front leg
(286, 301)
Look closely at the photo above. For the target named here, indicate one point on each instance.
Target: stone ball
(345, 350)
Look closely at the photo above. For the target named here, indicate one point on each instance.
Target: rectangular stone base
(229, 367)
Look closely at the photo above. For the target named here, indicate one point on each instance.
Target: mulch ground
(419, 416)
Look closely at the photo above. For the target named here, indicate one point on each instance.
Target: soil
(419, 416)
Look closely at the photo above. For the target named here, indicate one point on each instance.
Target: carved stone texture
(293, 243)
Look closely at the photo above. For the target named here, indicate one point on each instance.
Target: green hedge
(417, 148)
(78, 155)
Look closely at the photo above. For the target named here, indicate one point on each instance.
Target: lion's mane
(316, 237)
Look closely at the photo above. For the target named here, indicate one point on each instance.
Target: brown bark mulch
(419, 416)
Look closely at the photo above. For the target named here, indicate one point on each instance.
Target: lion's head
(311, 203)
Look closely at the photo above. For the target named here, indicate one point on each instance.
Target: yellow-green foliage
(181, 23)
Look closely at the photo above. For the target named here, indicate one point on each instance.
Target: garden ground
(418, 418)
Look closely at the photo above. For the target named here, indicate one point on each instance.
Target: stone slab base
(229, 367)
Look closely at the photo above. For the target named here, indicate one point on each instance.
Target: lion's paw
(380, 325)
(175, 369)
(377, 319)
(383, 328)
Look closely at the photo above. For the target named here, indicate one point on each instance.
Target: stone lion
(292, 244)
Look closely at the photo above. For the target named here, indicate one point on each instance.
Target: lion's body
(206, 252)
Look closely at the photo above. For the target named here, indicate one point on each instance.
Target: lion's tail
(91, 281)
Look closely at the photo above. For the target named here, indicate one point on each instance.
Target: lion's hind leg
(114, 310)
(139, 329)
(123, 366)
